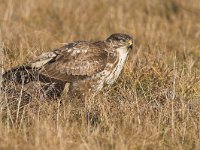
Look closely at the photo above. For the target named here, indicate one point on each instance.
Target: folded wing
(73, 61)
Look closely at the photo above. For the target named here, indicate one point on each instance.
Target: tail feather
(21, 75)
(26, 76)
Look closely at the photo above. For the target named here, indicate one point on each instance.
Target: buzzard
(85, 66)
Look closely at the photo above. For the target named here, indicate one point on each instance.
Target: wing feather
(76, 59)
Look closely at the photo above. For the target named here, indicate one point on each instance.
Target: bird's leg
(75, 96)
(84, 101)
(92, 116)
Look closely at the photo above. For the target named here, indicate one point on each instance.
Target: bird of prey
(86, 66)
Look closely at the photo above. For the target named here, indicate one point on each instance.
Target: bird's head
(120, 40)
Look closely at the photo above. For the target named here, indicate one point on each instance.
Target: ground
(153, 105)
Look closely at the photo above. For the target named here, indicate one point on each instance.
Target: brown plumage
(85, 66)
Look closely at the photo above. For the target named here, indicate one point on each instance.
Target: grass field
(155, 104)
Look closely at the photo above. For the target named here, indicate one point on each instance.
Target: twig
(1, 64)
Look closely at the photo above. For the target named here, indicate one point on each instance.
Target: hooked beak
(130, 44)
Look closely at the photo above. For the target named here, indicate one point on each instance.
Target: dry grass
(155, 103)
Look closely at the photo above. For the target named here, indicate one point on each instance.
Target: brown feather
(81, 59)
